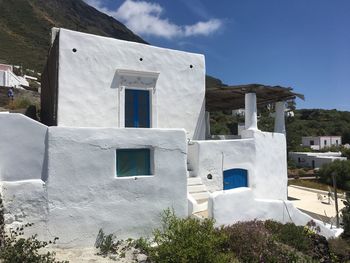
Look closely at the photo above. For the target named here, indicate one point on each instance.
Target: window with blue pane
(137, 108)
(133, 162)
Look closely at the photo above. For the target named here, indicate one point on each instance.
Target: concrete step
(196, 188)
(202, 201)
(201, 195)
(202, 214)
(194, 181)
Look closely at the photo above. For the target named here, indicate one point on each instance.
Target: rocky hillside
(25, 27)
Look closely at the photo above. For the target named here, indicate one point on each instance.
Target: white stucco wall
(85, 195)
(88, 81)
(271, 176)
(262, 154)
(231, 206)
(215, 156)
(22, 147)
(82, 193)
(26, 202)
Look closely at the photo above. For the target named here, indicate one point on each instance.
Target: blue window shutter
(137, 108)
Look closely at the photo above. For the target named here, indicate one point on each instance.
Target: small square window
(133, 162)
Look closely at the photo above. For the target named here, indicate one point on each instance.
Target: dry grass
(314, 183)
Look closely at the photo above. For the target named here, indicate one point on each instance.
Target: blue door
(137, 108)
(235, 178)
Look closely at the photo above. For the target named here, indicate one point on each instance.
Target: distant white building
(10, 79)
(320, 142)
(315, 160)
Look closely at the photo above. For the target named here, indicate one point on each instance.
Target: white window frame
(137, 80)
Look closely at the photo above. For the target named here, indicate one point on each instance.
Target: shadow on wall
(44, 173)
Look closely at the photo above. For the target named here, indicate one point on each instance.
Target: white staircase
(199, 192)
(197, 189)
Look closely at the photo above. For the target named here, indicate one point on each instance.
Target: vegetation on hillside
(314, 184)
(341, 169)
(25, 27)
(306, 122)
(317, 122)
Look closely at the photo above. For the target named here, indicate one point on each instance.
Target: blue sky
(303, 44)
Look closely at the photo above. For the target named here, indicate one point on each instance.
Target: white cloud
(203, 28)
(145, 18)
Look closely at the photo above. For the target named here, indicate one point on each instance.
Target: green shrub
(105, 244)
(304, 239)
(187, 240)
(252, 242)
(346, 217)
(248, 240)
(20, 103)
(342, 170)
(345, 152)
(340, 250)
(291, 164)
(143, 245)
(290, 234)
(25, 250)
(301, 172)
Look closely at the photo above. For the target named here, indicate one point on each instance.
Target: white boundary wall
(235, 205)
(22, 147)
(263, 154)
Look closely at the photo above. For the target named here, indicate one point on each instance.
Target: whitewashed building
(10, 79)
(315, 159)
(125, 138)
(321, 142)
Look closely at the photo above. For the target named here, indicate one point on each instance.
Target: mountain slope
(25, 27)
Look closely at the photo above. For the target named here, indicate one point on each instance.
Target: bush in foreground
(25, 250)
(253, 241)
(191, 240)
(188, 240)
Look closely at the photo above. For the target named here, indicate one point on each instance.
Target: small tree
(341, 168)
(188, 240)
(346, 217)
